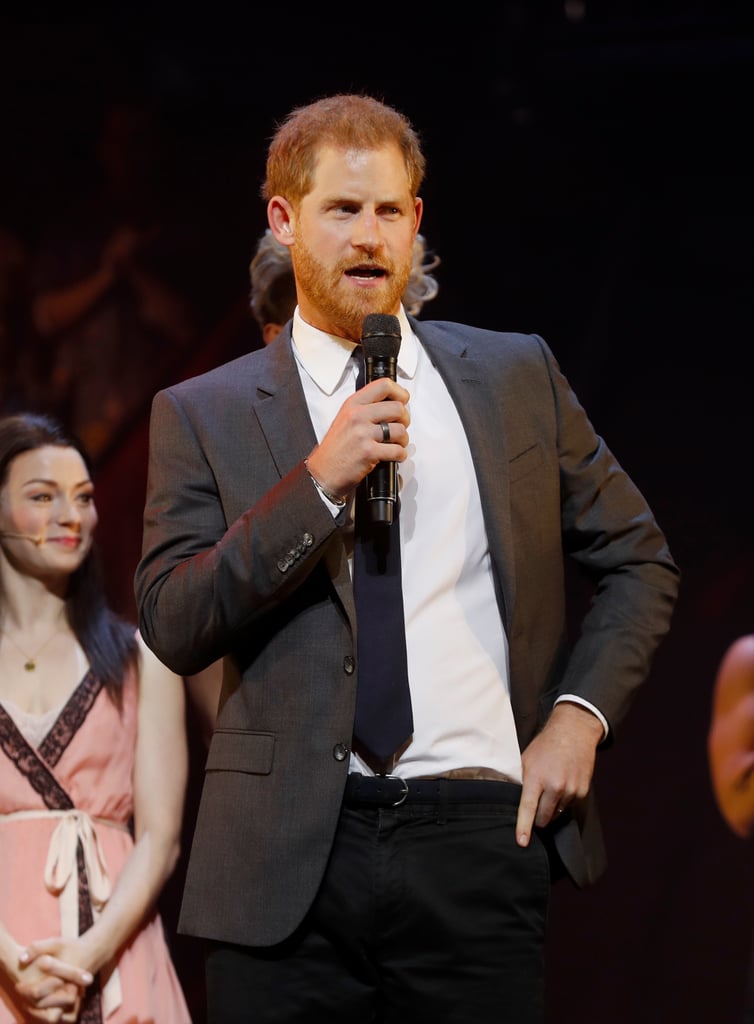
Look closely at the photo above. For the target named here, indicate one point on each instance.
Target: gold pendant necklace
(31, 659)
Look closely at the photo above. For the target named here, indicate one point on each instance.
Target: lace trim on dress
(33, 765)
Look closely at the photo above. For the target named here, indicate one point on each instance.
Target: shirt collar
(325, 357)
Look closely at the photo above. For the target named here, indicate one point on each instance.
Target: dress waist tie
(62, 879)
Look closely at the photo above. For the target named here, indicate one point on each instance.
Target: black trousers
(427, 912)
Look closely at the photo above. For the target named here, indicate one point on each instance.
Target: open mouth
(368, 272)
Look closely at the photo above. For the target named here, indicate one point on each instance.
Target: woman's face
(47, 512)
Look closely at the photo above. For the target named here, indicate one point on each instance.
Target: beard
(344, 307)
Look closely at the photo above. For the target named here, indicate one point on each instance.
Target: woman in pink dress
(93, 760)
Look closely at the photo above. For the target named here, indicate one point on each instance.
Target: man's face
(354, 235)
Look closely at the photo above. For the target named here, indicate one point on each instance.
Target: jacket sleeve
(226, 538)
(610, 531)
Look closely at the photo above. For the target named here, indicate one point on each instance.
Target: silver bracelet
(338, 502)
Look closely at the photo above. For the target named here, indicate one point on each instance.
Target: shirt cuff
(572, 699)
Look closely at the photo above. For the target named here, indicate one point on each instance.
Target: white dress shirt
(455, 640)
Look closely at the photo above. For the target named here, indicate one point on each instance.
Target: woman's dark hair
(108, 642)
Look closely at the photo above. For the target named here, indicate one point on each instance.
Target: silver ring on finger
(385, 431)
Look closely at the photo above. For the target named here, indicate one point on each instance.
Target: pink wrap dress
(66, 802)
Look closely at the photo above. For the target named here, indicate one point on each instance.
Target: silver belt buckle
(402, 798)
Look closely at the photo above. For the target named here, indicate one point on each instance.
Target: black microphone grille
(381, 335)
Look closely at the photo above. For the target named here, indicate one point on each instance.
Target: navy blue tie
(384, 720)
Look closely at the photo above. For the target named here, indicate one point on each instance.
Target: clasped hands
(49, 987)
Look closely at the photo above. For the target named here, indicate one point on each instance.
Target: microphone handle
(382, 482)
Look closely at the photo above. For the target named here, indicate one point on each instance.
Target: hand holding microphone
(346, 454)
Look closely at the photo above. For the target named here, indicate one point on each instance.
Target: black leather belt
(392, 791)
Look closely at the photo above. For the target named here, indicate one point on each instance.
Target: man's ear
(281, 219)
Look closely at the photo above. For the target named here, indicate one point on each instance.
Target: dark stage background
(590, 179)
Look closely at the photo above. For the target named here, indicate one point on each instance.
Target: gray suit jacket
(242, 559)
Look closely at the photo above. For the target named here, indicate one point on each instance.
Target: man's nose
(366, 233)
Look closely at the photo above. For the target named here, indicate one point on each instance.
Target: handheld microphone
(381, 342)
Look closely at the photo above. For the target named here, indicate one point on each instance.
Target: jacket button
(340, 752)
(348, 665)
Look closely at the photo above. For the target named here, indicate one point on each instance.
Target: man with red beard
(336, 874)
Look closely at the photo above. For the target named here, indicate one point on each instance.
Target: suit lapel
(480, 400)
(280, 406)
(283, 416)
